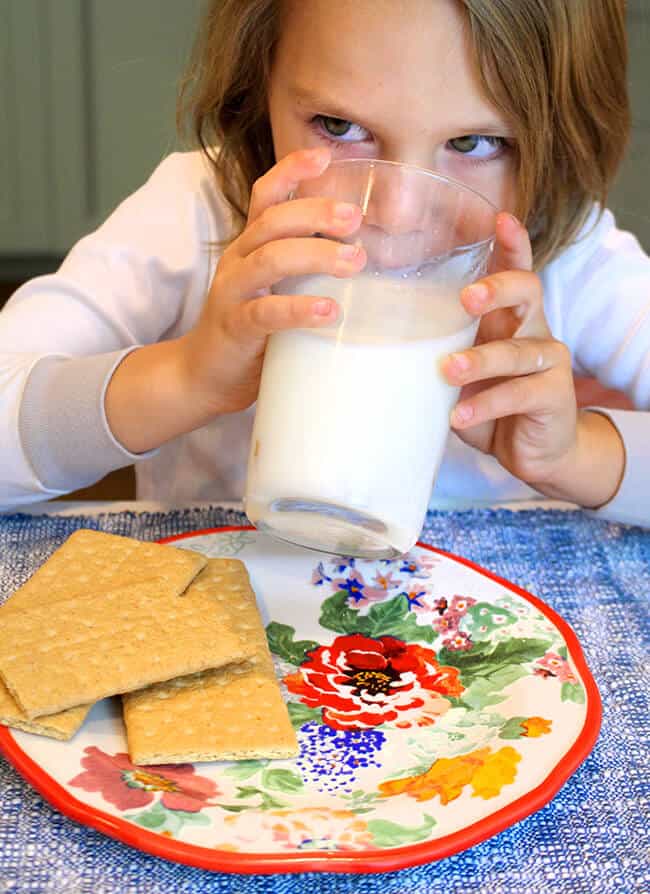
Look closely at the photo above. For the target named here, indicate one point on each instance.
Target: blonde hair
(555, 69)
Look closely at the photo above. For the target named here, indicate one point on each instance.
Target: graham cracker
(92, 561)
(92, 647)
(86, 560)
(57, 726)
(234, 713)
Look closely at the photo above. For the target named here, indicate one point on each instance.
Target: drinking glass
(351, 420)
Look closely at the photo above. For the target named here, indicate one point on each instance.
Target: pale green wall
(87, 96)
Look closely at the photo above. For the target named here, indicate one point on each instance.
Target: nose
(392, 202)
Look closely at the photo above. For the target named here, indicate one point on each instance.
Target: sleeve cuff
(630, 504)
(63, 425)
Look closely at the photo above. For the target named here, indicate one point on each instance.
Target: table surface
(592, 837)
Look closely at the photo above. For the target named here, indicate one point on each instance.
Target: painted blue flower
(319, 577)
(414, 599)
(413, 567)
(354, 587)
(359, 592)
(345, 563)
(330, 759)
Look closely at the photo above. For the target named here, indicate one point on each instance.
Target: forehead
(407, 60)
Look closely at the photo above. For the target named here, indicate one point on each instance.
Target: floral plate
(435, 705)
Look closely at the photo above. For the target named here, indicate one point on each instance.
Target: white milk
(356, 417)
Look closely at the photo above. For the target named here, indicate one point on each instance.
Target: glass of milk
(351, 421)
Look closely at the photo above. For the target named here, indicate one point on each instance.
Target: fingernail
(477, 295)
(344, 211)
(462, 413)
(348, 252)
(459, 363)
(323, 308)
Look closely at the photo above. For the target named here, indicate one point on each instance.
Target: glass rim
(434, 175)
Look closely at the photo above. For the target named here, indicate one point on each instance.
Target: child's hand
(518, 401)
(227, 345)
(162, 390)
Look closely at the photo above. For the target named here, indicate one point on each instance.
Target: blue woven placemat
(592, 837)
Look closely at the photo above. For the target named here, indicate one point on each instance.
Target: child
(147, 345)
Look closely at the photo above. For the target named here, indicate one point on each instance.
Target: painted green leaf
(480, 718)
(150, 819)
(389, 618)
(507, 675)
(481, 693)
(484, 618)
(485, 659)
(393, 618)
(389, 834)
(512, 728)
(267, 801)
(563, 653)
(385, 616)
(282, 643)
(301, 714)
(161, 819)
(572, 692)
(484, 691)
(337, 615)
(270, 803)
(359, 797)
(282, 780)
(245, 769)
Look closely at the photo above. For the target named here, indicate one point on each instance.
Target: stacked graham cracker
(177, 635)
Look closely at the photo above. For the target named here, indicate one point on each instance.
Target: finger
(274, 261)
(512, 249)
(509, 289)
(505, 359)
(302, 217)
(520, 396)
(283, 178)
(273, 313)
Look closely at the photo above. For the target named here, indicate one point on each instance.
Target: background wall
(631, 196)
(87, 109)
(87, 102)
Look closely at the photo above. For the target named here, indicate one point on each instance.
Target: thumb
(512, 250)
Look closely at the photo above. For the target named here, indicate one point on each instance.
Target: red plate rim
(384, 860)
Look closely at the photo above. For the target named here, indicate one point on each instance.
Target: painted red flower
(128, 786)
(362, 682)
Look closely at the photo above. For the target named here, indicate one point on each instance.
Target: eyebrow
(333, 107)
(319, 100)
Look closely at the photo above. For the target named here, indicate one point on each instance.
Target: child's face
(393, 80)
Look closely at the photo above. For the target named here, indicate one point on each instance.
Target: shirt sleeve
(138, 279)
(631, 503)
(598, 303)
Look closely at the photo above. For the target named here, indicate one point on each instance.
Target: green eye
(337, 127)
(467, 143)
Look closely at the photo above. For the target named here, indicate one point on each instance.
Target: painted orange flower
(536, 726)
(486, 771)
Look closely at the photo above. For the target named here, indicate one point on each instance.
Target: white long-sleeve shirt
(142, 277)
